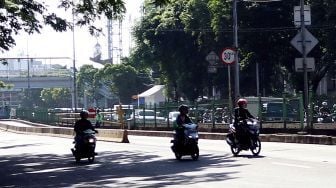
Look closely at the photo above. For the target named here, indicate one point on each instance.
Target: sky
(55, 44)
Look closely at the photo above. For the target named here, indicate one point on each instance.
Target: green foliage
(56, 97)
(123, 81)
(178, 37)
(176, 40)
(31, 16)
(87, 81)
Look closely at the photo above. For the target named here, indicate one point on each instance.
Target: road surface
(42, 161)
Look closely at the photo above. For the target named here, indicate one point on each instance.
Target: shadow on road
(112, 169)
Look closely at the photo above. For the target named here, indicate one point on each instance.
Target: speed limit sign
(228, 55)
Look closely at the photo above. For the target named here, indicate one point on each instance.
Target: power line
(241, 29)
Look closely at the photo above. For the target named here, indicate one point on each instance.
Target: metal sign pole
(230, 97)
(304, 56)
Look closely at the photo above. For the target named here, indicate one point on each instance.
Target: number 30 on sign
(228, 55)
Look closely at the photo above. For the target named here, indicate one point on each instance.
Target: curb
(121, 135)
(112, 135)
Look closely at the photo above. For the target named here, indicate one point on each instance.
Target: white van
(172, 116)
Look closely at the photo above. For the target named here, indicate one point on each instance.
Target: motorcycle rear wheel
(256, 147)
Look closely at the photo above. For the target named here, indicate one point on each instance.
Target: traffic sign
(297, 15)
(212, 69)
(228, 55)
(310, 64)
(310, 41)
(212, 58)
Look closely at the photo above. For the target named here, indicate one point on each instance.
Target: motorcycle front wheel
(235, 151)
(256, 147)
(195, 154)
(91, 159)
(178, 156)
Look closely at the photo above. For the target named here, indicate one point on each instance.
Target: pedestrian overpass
(59, 78)
(38, 82)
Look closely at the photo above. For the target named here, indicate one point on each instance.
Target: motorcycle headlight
(91, 140)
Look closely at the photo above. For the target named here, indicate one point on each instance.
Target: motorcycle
(248, 138)
(188, 145)
(325, 118)
(85, 146)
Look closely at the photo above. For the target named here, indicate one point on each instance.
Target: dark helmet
(84, 114)
(242, 102)
(183, 108)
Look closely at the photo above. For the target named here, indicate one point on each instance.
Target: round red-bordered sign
(228, 55)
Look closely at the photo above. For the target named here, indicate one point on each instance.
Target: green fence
(285, 110)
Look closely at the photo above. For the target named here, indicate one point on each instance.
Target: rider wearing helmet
(182, 119)
(241, 112)
(82, 125)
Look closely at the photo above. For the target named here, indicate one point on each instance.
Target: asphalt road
(42, 161)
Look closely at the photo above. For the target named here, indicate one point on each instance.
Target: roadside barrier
(121, 135)
(113, 135)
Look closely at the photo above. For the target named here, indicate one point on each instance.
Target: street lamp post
(74, 102)
(235, 45)
(235, 42)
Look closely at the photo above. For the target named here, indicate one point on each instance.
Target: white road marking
(291, 165)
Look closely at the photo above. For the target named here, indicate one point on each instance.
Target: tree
(175, 39)
(31, 16)
(56, 97)
(86, 83)
(122, 80)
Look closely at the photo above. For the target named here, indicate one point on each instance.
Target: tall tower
(114, 31)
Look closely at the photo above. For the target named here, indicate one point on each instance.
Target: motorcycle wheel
(235, 151)
(178, 156)
(91, 159)
(195, 155)
(256, 147)
(77, 159)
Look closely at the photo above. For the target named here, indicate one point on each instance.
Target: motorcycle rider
(241, 113)
(99, 118)
(182, 119)
(82, 125)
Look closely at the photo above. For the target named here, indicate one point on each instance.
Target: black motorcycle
(325, 118)
(188, 144)
(247, 139)
(85, 146)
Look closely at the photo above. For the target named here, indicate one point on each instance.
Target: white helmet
(324, 103)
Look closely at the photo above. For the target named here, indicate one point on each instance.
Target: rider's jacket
(82, 125)
(182, 119)
(241, 114)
